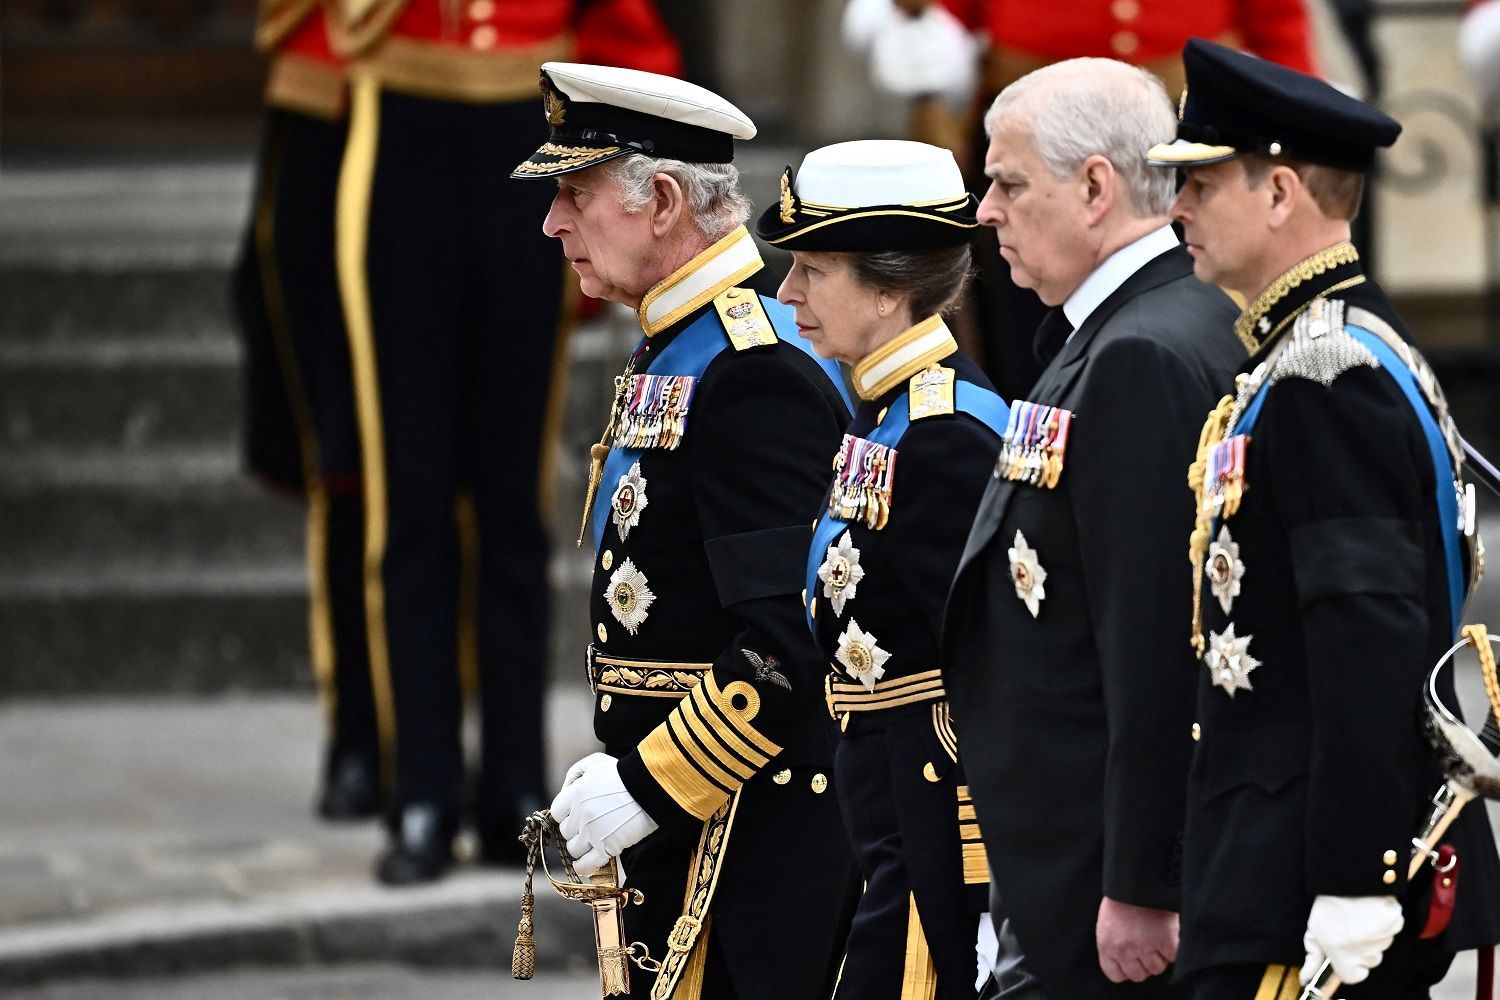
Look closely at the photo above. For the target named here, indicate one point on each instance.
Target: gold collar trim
(897, 361)
(1253, 328)
(694, 284)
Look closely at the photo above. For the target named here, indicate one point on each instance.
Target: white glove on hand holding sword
(1352, 932)
(596, 815)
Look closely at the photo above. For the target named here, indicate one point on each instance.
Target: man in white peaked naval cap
(713, 790)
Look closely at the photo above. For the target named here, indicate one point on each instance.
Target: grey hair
(1082, 107)
(712, 190)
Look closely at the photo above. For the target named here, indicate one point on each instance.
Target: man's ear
(1098, 179)
(668, 205)
(1286, 190)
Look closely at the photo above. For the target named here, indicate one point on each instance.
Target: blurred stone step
(75, 511)
(126, 393)
(50, 304)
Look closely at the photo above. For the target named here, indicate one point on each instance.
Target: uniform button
(1389, 857)
(603, 635)
(604, 702)
(1125, 10)
(880, 417)
(484, 37)
(929, 772)
(1389, 878)
(1124, 42)
(607, 560)
(483, 10)
(1197, 732)
(782, 777)
(819, 784)
(812, 608)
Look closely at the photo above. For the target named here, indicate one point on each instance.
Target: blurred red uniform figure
(454, 300)
(300, 429)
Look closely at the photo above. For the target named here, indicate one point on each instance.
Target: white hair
(712, 190)
(1085, 107)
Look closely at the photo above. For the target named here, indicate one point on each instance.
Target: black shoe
(422, 850)
(351, 789)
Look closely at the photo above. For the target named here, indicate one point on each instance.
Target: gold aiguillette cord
(599, 452)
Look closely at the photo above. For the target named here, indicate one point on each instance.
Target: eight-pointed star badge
(1229, 660)
(1224, 568)
(1027, 574)
(628, 502)
(841, 572)
(860, 655)
(629, 596)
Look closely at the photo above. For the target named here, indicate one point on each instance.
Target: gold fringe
(1212, 434)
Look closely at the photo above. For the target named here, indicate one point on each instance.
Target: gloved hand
(596, 815)
(1353, 932)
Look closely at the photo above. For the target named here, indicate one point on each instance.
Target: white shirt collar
(1111, 274)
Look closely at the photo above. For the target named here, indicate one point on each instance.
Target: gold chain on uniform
(599, 452)
(1319, 263)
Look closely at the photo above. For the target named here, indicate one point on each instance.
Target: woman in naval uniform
(879, 233)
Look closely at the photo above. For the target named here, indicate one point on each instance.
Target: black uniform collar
(913, 350)
(1274, 309)
(693, 285)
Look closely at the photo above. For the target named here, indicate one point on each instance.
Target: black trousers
(300, 426)
(453, 297)
(917, 920)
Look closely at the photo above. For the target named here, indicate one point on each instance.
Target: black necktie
(1051, 335)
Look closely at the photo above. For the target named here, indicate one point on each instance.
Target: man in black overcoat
(1065, 655)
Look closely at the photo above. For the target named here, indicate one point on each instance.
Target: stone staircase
(135, 555)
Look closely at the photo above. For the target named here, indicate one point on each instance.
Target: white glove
(932, 53)
(1479, 47)
(1352, 932)
(596, 815)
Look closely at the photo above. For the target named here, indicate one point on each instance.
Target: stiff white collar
(726, 263)
(1110, 275)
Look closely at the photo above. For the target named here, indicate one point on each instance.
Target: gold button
(603, 635)
(812, 608)
(880, 417)
(844, 722)
(1197, 732)
(929, 772)
(483, 10)
(733, 293)
(819, 784)
(607, 560)
(484, 37)
(1125, 10)
(1389, 857)
(604, 702)
(782, 777)
(1124, 42)
(1389, 878)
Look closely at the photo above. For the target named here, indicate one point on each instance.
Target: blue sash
(689, 354)
(982, 404)
(1447, 499)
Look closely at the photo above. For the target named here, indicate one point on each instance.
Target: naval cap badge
(1224, 568)
(861, 655)
(629, 596)
(841, 572)
(628, 501)
(1027, 574)
(1229, 661)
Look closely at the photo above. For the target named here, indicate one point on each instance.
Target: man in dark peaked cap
(714, 787)
(1331, 556)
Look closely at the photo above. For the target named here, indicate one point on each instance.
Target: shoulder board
(1319, 347)
(931, 392)
(744, 318)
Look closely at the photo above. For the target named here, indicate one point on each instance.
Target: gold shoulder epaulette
(744, 318)
(1320, 348)
(930, 392)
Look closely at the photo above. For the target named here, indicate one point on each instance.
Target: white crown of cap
(649, 93)
(869, 172)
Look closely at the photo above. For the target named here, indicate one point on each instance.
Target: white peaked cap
(868, 172)
(649, 93)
